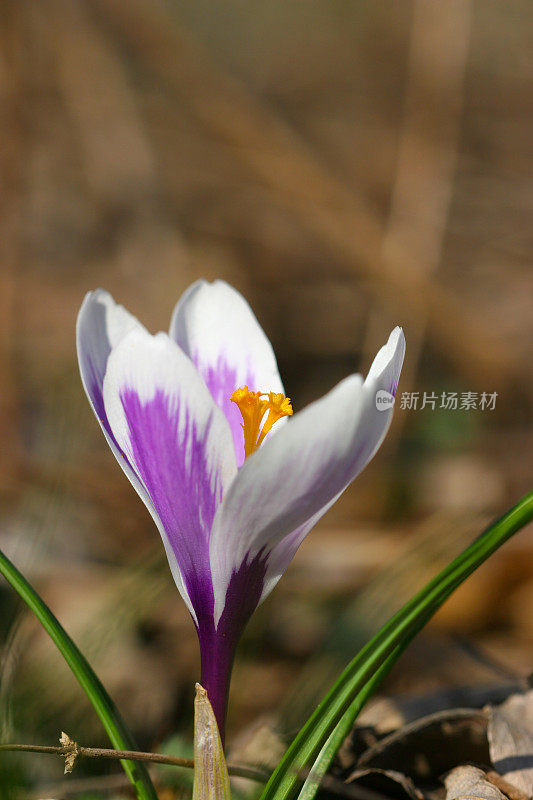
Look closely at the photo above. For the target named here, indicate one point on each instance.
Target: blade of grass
(116, 728)
(343, 728)
(379, 655)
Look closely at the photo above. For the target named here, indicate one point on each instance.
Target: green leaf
(343, 728)
(113, 723)
(320, 737)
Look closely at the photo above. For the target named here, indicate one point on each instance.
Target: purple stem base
(217, 646)
(217, 652)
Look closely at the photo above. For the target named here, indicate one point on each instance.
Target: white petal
(101, 326)
(287, 485)
(179, 445)
(286, 482)
(217, 329)
(387, 365)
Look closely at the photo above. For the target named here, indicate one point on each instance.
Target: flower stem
(217, 652)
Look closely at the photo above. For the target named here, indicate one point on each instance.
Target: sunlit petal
(179, 444)
(216, 327)
(285, 487)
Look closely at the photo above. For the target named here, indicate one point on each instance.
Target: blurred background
(348, 166)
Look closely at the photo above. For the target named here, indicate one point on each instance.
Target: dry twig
(70, 751)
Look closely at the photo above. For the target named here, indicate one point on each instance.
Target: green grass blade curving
(377, 657)
(343, 728)
(116, 728)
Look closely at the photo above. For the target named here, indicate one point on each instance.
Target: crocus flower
(199, 422)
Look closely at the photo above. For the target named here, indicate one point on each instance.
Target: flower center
(253, 407)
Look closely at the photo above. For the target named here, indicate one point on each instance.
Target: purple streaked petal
(170, 457)
(385, 371)
(179, 444)
(286, 481)
(293, 479)
(221, 380)
(101, 326)
(216, 327)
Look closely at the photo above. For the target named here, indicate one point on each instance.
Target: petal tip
(387, 365)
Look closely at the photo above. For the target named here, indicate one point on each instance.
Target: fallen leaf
(510, 734)
(430, 746)
(470, 783)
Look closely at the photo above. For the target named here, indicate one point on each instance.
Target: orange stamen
(253, 406)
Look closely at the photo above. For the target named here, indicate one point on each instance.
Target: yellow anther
(253, 407)
(278, 406)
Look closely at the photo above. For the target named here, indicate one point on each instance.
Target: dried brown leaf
(470, 783)
(432, 745)
(510, 734)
